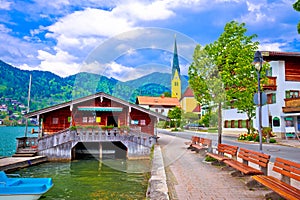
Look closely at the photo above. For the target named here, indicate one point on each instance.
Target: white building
(282, 111)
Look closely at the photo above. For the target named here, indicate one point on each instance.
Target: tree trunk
(220, 123)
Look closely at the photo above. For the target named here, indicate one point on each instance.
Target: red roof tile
(188, 93)
(163, 101)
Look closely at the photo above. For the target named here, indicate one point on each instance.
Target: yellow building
(189, 103)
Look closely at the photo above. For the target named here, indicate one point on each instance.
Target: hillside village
(12, 112)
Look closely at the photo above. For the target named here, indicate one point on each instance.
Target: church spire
(175, 65)
(175, 82)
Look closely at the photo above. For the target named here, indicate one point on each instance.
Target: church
(185, 100)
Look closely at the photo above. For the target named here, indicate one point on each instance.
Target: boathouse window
(143, 122)
(98, 119)
(91, 119)
(55, 120)
(84, 119)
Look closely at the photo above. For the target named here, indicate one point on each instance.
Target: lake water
(84, 179)
(8, 135)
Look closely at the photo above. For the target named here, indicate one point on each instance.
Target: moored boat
(23, 188)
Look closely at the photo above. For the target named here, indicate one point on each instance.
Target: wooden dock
(13, 163)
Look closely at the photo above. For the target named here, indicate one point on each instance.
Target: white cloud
(5, 5)
(4, 29)
(61, 63)
(145, 11)
(268, 46)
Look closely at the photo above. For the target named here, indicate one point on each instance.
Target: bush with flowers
(254, 136)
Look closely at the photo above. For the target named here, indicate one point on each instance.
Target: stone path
(190, 178)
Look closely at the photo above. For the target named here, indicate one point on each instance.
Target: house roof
(157, 101)
(188, 93)
(197, 108)
(278, 53)
(93, 96)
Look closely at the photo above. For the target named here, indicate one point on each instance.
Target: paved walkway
(189, 178)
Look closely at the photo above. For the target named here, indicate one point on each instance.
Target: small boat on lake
(23, 188)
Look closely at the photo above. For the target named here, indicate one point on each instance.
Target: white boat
(23, 188)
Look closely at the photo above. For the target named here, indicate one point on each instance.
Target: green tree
(206, 83)
(233, 54)
(296, 6)
(175, 116)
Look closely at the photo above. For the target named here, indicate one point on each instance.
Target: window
(269, 72)
(271, 98)
(291, 94)
(84, 119)
(143, 122)
(91, 119)
(276, 122)
(55, 120)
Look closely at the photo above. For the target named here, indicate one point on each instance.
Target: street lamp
(257, 62)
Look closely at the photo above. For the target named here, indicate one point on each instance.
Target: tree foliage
(296, 6)
(230, 59)
(206, 83)
(233, 53)
(175, 116)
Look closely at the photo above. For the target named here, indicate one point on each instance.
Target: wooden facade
(291, 105)
(291, 59)
(98, 111)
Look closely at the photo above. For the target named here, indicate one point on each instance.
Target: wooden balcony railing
(271, 84)
(291, 105)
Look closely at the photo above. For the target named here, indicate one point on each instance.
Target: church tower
(175, 82)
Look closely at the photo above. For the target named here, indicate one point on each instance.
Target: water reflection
(92, 179)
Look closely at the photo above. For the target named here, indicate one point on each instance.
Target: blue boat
(23, 188)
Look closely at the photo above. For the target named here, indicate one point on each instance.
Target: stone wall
(157, 188)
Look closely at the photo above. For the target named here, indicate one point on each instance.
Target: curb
(157, 188)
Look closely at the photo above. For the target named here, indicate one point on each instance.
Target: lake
(84, 179)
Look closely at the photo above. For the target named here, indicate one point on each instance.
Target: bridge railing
(98, 135)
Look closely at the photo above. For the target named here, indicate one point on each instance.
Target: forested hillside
(49, 89)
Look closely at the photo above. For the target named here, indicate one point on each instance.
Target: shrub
(210, 159)
(272, 140)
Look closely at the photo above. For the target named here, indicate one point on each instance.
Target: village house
(282, 109)
(160, 104)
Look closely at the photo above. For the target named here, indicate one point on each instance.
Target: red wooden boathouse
(96, 118)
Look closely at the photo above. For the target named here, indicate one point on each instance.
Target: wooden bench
(194, 140)
(202, 144)
(223, 151)
(288, 170)
(254, 157)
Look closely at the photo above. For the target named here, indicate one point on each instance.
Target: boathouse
(96, 125)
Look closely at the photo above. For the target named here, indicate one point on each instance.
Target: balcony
(271, 84)
(291, 105)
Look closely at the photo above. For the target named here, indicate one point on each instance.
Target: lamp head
(258, 60)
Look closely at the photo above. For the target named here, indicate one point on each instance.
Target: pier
(14, 163)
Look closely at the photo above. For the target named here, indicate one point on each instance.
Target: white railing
(98, 135)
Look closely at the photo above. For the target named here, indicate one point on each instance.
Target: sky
(127, 39)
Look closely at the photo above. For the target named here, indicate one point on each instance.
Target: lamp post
(257, 62)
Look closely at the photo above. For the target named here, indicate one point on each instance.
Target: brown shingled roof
(162, 101)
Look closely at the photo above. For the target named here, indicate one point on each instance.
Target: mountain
(49, 89)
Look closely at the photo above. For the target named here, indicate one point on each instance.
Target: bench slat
(258, 158)
(283, 189)
(224, 149)
(245, 169)
(287, 168)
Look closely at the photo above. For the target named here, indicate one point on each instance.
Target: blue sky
(127, 39)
